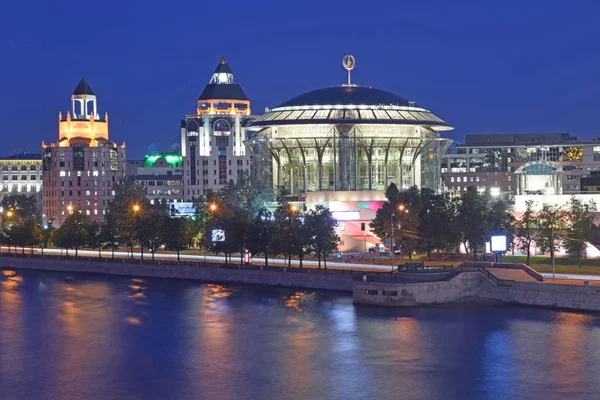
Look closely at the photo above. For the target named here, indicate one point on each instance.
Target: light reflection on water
(98, 337)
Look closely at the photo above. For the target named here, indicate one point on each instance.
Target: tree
(551, 232)
(501, 221)
(580, 228)
(526, 229)
(438, 221)
(22, 207)
(151, 232)
(178, 234)
(129, 203)
(110, 237)
(290, 234)
(321, 231)
(93, 238)
(73, 232)
(46, 235)
(473, 221)
(260, 240)
(26, 233)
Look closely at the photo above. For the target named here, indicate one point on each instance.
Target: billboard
(498, 244)
(184, 209)
(218, 235)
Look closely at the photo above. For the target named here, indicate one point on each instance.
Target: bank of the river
(214, 273)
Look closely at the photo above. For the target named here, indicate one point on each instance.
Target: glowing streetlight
(294, 208)
(70, 207)
(9, 213)
(213, 207)
(136, 207)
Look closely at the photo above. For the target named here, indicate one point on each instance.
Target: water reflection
(99, 337)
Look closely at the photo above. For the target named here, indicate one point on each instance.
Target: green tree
(473, 221)
(93, 238)
(260, 240)
(73, 233)
(150, 229)
(25, 233)
(46, 235)
(178, 235)
(552, 229)
(290, 235)
(580, 228)
(438, 221)
(321, 231)
(501, 221)
(109, 236)
(22, 207)
(526, 229)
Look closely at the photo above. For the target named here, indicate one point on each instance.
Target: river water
(77, 336)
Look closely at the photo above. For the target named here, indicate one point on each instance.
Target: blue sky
(485, 67)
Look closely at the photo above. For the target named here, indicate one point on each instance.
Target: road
(272, 261)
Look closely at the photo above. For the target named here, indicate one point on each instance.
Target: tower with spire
(212, 139)
(82, 166)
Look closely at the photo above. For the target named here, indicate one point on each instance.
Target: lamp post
(211, 208)
(9, 214)
(136, 210)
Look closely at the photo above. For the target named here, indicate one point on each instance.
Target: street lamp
(136, 207)
(211, 208)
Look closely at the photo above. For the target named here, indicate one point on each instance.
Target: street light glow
(294, 208)
(213, 207)
(9, 213)
(136, 207)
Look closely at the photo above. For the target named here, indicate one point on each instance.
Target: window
(510, 178)
(477, 179)
(470, 179)
(452, 179)
(458, 179)
(362, 226)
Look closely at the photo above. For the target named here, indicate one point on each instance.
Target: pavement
(275, 261)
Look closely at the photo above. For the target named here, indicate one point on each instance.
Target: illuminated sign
(346, 215)
(218, 235)
(184, 209)
(498, 244)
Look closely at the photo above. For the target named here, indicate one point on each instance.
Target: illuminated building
(161, 174)
(212, 140)
(510, 165)
(343, 146)
(82, 167)
(21, 174)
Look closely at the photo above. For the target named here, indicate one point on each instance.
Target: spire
(223, 85)
(83, 88)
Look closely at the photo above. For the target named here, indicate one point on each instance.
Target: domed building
(347, 144)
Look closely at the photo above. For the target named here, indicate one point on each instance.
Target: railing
(147, 261)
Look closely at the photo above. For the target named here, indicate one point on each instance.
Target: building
(342, 146)
(212, 140)
(22, 174)
(161, 174)
(519, 164)
(82, 167)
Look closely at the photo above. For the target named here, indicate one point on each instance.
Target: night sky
(515, 66)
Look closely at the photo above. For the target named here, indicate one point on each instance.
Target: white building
(212, 140)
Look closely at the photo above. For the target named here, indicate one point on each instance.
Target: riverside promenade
(471, 282)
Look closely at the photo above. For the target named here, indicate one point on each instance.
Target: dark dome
(346, 95)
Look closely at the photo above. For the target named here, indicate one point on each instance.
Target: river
(78, 336)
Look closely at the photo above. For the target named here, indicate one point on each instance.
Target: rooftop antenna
(349, 62)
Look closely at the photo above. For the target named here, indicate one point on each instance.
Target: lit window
(95, 173)
(63, 173)
(452, 179)
(470, 179)
(509, 178)
(477, 179)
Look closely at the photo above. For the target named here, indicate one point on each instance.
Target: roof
(217, 89)
(23, 156)
(83, 88)
(346, 95)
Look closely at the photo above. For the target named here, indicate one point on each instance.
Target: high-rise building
(212, 140)
(81, 169)
(511, 165)
(161, 174)
(21, 174)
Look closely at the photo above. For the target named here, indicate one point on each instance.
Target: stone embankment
(212, 273)
(482, 284)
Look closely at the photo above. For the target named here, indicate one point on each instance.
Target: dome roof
(346, 95)
(349, 105)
